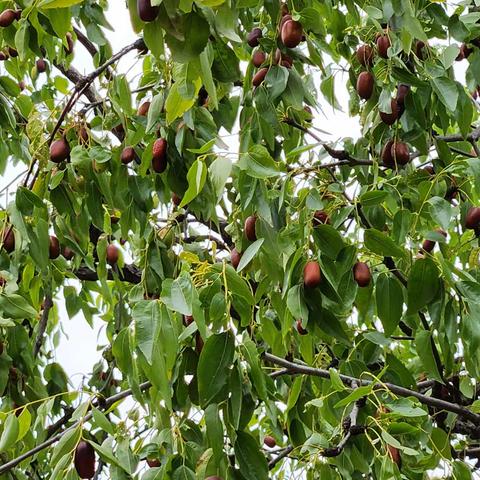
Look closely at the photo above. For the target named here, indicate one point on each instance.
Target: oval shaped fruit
(364, 55)
(84, 135)
(292, 33)
(159, 149)
(84, 460)
(283, 59)
(259, 77)
(269, 441)
(143, 109)
(112, 254)
(159, 164)
(383, 44)
(300, 329)
(53, 247)
(365, 83)
(320, 216)
(472, 219)
(402, 91)
(361, 274)
(387, 157)
(419, 46)
(429, 170)
(312, 276)
(400, 153)
(8, 240)
(176, 199)
(41, 65)
(153, 462)
(254, 36)
(249, 228)
(128, 155)
(394, 454)
(7, 17)
(258, 58)
(390, 118)
(146, 11)
(68, 253)
(235, 257)
(18, 14)
(283, 20)
(3, 56)
(428, 245)
(12, 52)
(59, 150)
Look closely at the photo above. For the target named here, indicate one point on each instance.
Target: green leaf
(447, 92)
(218, 173)
(183, 473)
(214, 430)
(251, 354)
(355, 395)
(329, 240)
(206, 60)
(15, 306)
(337, 383)
(146, 315)
(296, 304)
(423, 284)
(378, 242)
(67, 444)
(212, 371)
(10, 432)
(196, 176)
(389, 299)
(178, 294)
(58, 3)
(251, 460)
(176, 105)
(258, 163)
(423, 344)
(250, 253)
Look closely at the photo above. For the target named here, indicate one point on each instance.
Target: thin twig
(42, 325)
(285, 452)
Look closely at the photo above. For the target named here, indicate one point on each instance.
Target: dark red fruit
(365, 83)
(390, 118)
(383, 44)
(128, 155)
(112, 254)
(188, 320)
(472, 219)
(254, 36)
(85, 460)
(364, 55)
(53, 247)
(3, 282)
(300, 328)
(176, 199)
(402, 92)
(258, 58)
(159, 165)
(361, 274)
(146, 11)
(292, 33)
(259, 77)
(400, 153)
(269, 441)
(41, 65)
(8, 240)
(12, 52)
(3, 56)
(419, 49)
(143, 109)
(18, 14)
(249, 228)
(387, 157)
(153, 462)
(283, 59)
(283, 20)
(68, 253)
(320, 216)
(429, 169)
(159, 149)
(235, 257)
(428, 245)
(312, 275)
(394, 454)
(7, 17)
(59, 150)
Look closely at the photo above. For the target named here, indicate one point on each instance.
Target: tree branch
(42, 326)
(129, 273)
(284, 453)
(396, 389)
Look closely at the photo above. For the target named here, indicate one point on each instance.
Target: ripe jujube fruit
(394, 454)
(112, 254)
(254, 36)
(143, 109)
(249, 228)
(259, 77)
(365, 84)
(292, 33)
(153, 462)
(68, 253)
(320, 216)
(429, 245)
(188, 320)
(7, 17)
(390, 118)
(176, 199)
(159, 155)
(400, 153)
(300, 329)
(12, 52)
(53, 247)
(258, 58)
(8, 240)
(41, 65)
(402, 92)
(361, 274)
(146, 11)
(383, 44)
(364, 55)
(59, 150)
(312, 276)
(235, 257)
(128, 155)
(269, 441)
(419, 46)
(387, 157)
(283, 59)
(84, 460)
(472, 219)
(283, 20)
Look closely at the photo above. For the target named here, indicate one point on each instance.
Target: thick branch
(396, 389)
(457, 137)
(42, 446)
(284, 453)
(129, 273)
